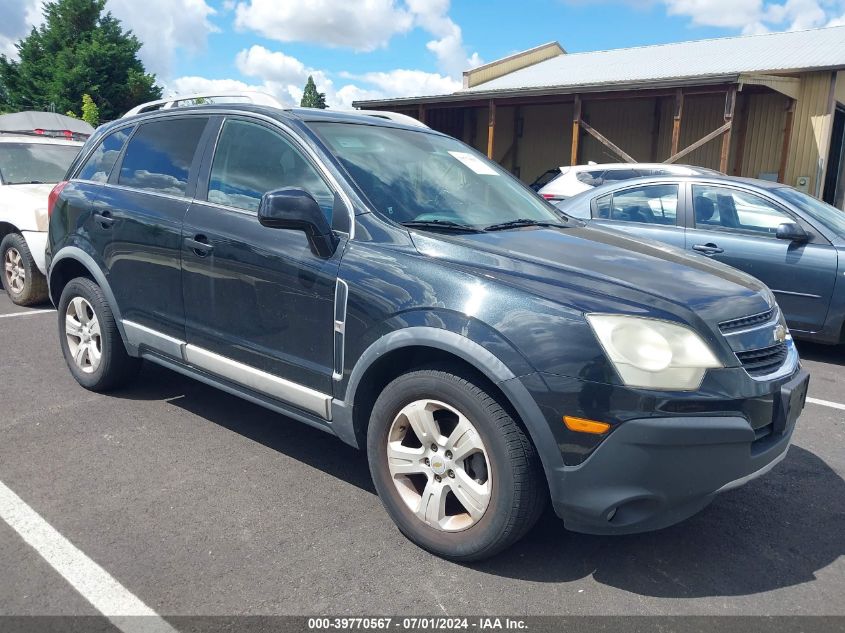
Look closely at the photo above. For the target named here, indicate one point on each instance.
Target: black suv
(391, 286)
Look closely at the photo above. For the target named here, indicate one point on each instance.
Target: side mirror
(792, 232)
(297, 210)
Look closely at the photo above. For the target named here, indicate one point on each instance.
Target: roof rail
(396, 117)
(254, 98)
(199, 98)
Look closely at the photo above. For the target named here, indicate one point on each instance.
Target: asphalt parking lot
(199, 503)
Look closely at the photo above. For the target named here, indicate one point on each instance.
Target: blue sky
(383, 48)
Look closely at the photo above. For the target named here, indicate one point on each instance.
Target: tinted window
(732, 209)
(100, 162)
(251, 160)
(159, 155)
(24, 163)
(649, 204)
(592, 178)
(614, 175)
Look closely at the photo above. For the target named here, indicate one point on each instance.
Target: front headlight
(653, 354)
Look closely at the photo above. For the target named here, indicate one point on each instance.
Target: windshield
(828, 216)
(412, 176)
(24, 163)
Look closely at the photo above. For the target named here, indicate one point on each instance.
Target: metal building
(765, 106)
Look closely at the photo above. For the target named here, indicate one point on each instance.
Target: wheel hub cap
(439, 465)
(14, 271)
(82, 331)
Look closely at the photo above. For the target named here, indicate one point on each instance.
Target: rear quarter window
(99, 164)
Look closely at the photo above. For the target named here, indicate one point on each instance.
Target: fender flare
(478, 357)
(80, 256)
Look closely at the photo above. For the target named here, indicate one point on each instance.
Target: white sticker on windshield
(475, 163)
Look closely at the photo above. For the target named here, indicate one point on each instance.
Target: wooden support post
(655, 128)
(741, 132)
(576, 130)
(676, 123)
(421, 113)
(787, 140)
(491, 129)
(730, 106)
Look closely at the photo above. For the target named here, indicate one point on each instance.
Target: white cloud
(362, 25)
(18, 18)
(406, 83)
(757, 16)
(433, 16)
(165, 27)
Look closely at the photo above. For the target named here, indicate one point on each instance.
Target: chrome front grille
(760, 362)
(734, 325)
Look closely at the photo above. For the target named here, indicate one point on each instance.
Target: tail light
(548, 196)
(54, 196)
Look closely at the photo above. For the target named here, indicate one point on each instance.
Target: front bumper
(652, 472)
(37, 243)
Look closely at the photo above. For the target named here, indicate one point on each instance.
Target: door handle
(199, 244)
(708, 249)
(104, 219)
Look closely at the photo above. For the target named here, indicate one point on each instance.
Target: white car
(574, 180)
(30, 165)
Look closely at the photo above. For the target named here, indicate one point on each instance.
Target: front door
(738, 227)
(259, 303)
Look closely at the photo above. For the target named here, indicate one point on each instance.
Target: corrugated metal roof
(771, 52)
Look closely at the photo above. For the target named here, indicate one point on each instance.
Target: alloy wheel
(84, 339)
(439, 465)
(14, 270)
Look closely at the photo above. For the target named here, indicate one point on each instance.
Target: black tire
(518, 492)
(34, 289)
(116, 367)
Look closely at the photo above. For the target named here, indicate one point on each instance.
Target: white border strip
(27, 313)
(94, 583)
(826, 403)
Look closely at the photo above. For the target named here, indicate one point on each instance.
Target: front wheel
(452, 467)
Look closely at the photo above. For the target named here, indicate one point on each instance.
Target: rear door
(648, 211)
(737, 227)
(258, 298)
(138, 217)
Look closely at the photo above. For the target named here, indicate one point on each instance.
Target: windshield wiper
(446, 225)
(520, 222)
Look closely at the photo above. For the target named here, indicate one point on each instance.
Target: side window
(592, 178)
(615, 175)
(160, 154)
(602, 207)
(251, 160)
(735, 210)
(100, 162)
(649, 204)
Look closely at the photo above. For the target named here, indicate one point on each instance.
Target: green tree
(311, 98)
(90, 111)
(80, 49)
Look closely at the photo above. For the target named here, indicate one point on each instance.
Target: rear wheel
(22, 280)
(90, 340)
(453, 469)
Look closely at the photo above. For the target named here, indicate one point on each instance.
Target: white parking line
(827, 403)
(95, 584)
(27, 313)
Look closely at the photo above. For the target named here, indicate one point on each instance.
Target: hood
(25, 206)
(595, 269)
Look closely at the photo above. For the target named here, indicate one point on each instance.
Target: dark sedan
(792, 242)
